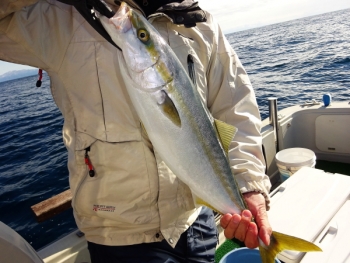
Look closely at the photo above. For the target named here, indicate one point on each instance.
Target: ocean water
(297, 60)
(294, 61)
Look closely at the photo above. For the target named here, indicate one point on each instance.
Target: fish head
(143, 48)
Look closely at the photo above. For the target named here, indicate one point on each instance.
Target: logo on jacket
(104, 208)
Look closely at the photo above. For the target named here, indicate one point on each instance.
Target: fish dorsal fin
(226, 132)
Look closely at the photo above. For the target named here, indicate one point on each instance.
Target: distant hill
(16, 74)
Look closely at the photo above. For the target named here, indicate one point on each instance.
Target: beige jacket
(133, 197)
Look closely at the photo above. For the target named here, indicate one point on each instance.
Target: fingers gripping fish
(179, 126)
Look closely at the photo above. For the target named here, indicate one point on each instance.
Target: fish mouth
(122, 19)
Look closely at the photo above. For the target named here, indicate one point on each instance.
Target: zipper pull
(88, 163)
(40, 77)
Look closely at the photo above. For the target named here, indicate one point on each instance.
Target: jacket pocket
(124, 185)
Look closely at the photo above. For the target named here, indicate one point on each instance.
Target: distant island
(17, 74)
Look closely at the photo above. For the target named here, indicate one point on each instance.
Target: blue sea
(294, 61)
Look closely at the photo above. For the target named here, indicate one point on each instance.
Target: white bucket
(291, 160)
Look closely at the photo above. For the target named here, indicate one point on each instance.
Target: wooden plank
(52, 206)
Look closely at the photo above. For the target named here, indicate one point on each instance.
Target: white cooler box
(314, 206)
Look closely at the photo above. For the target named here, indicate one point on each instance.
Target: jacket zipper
(91, 174)
(191, 70)
(88, 162)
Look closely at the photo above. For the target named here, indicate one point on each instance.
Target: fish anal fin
(280, 242)
(226, 132)
(201, 202)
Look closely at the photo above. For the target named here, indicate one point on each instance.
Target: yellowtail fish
(179, 126)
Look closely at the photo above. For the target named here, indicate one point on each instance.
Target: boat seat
(14, 248)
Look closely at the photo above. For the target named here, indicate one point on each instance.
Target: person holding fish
(143, 125)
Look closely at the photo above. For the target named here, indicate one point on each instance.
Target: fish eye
(143, 35)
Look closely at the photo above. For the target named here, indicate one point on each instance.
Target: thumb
(264, 226)
(256, 204)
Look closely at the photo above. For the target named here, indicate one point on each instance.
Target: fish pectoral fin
(168, 108)
(226, 132)
(280, 242)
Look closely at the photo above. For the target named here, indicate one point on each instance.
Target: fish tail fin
(280, 242)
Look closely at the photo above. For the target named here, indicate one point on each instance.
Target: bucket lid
(295, 157)
(243, 255)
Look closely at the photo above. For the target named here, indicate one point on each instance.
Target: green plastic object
(227, 246)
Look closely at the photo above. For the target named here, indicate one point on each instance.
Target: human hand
(242, 227)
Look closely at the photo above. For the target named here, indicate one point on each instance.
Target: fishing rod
(86, 7)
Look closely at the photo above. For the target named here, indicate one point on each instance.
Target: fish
(180, 127)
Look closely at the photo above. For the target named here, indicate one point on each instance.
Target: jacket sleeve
(231, 99)
(38, 34)
(10, 6)
(12, 40)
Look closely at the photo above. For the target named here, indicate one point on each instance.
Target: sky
(234, 15)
